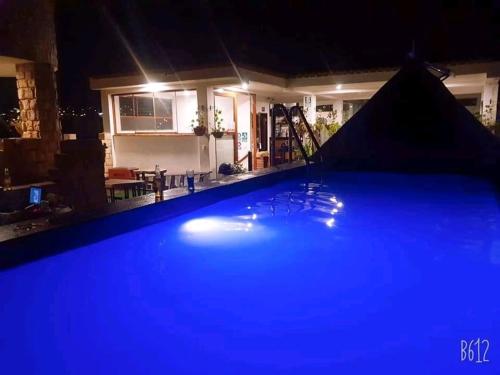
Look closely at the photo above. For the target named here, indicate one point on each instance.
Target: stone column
(36, 89)
(37, 100)
(489, 98)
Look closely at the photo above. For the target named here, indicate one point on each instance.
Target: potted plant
(198, 124)
(228, 169)
(218, 130)
(264, 157)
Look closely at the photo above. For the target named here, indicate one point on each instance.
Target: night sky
(288, 37)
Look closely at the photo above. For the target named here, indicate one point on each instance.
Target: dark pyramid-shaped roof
(413, 123)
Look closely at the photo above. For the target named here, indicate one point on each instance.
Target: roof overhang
(210, 76)
(8, 65)
(465, 78)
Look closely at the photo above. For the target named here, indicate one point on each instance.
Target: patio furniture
(178, 178)
(148, 175)
(124, 173)
(130, 188)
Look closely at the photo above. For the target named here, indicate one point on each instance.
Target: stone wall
(80, 174)
(25, 159)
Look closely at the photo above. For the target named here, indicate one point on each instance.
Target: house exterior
(147, 120)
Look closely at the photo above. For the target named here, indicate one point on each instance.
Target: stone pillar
(489, 98)
(36, 89)
(37, 101)
(310, 109)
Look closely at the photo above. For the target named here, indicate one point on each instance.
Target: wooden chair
(121, 173)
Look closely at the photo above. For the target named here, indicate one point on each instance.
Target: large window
(169, 111)
(350, 107)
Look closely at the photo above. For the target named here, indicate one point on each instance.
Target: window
(350, 107)
(169, 111)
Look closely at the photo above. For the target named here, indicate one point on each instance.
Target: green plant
(199, 120)
(218, 130)
(229, 169)
(332, 128)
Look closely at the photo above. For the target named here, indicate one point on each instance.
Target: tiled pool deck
(18, 246)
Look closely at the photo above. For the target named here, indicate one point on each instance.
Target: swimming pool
(348, 273)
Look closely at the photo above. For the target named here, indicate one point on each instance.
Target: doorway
(226, 147)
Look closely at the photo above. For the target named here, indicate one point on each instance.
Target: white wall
(177, 153)
(225, 105)
(225, 150)
(186, 107)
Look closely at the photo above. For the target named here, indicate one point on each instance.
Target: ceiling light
(338, 87)
(154, 87)
(244, 85)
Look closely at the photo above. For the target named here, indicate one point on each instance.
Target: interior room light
(221, 90)
(244, 85)
(338, 87)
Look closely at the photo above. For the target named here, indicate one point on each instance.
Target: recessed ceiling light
(154, 87)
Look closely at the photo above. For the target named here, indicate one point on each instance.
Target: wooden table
(128, 186)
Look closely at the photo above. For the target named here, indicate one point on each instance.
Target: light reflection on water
(311, 201)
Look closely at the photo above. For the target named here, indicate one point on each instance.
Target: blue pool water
(350, 274)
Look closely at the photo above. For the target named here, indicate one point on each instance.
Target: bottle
(190, 180)
(7, 181)
(158, 183)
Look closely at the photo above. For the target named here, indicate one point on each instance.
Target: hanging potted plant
(218, 130)
(198, 123)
